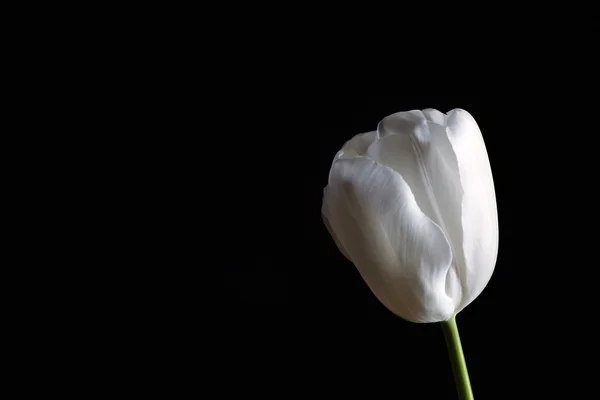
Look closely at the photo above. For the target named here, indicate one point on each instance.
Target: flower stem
(457, 358)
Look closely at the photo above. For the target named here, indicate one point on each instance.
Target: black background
(298, 319)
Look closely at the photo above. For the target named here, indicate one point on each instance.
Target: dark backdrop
(301, 321)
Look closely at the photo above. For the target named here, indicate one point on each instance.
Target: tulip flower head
(412, 205)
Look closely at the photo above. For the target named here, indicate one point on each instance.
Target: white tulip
(412, 205)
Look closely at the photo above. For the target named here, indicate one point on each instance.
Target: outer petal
(479, 212)
(420, 151)
(401, 254)
(337, 241)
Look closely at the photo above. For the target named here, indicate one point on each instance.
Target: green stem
(457, 358)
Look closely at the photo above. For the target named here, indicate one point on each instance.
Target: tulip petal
(337, 241)
(358, 145)
(403, 256)
(420, 151)
(405, 121)
(435, 116)
(479, 213)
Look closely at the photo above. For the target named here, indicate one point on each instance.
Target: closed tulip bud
(412, 206)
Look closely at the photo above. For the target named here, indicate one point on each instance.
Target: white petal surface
(479, 213)
(402, 255)
(334, 236)
(435, 116)
(358, 145)
(419, 150)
